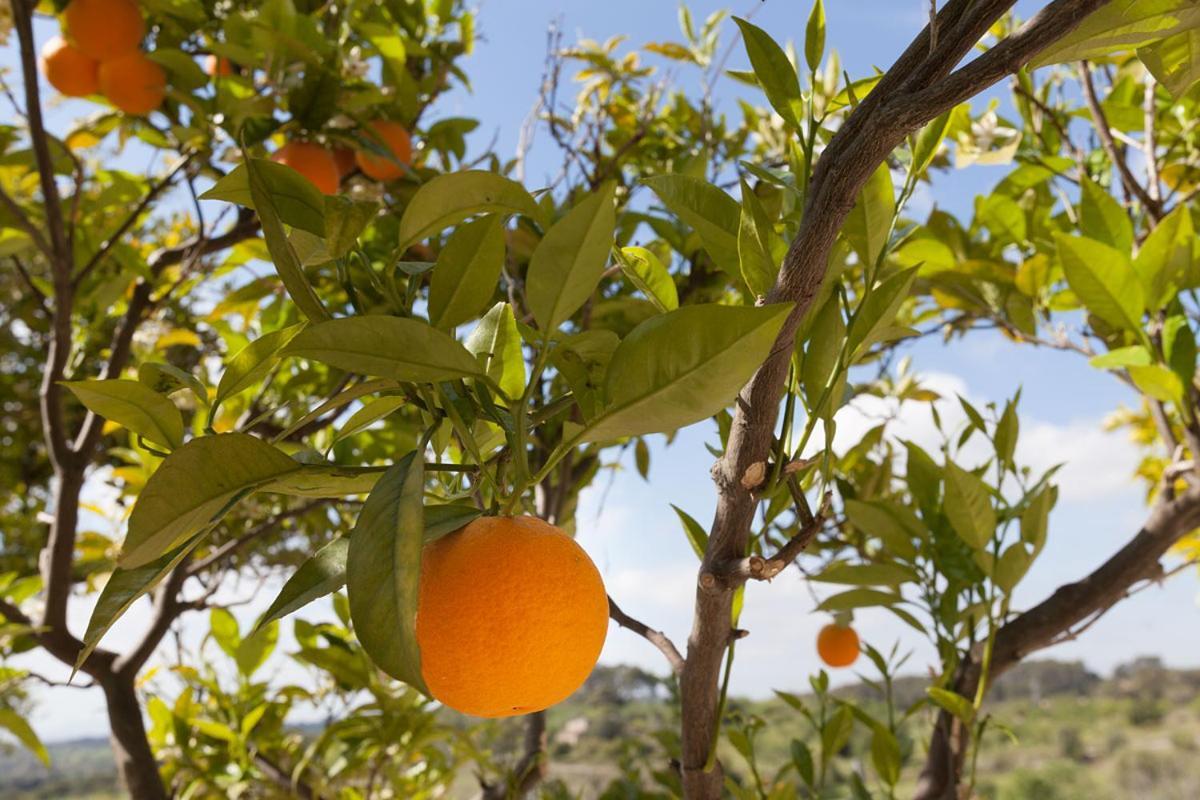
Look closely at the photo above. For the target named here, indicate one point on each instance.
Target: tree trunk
(131, 749)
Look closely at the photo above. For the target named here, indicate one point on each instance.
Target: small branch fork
(732, 574)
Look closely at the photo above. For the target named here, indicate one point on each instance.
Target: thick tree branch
(1044, 624)
(910, 94)
(654, 637)
(1104, 131)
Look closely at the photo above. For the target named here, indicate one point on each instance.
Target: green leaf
(167, 379)
(929, 139)
(583, 360)
(567, 263)
(1003, 217)
(132, 405)
(322, 574)
(1132, 356)
(953, 702)
(865, 574)
(714, 215)
(386, 347)
(345, 219)
(193, 488)
(255, 649)
(324, 480)
(1103, 280)
(755, 234)
(467, 271)
(1035, 519)
(877, 312)
(968, 506)
(1012, 565)
(826, 337)
(1157, 382)
(814, 36)
(678, 368)
(1122, 25)
(858, 598)
(870, 221)
(124, 586)
(886, 755)
(1174, 62)
(293, 197)
(647, 273)
(287, 264)
(451, 198)
(252, 362)
(383, 570)
(1007, 432)
(496, 343)
(696, 535)
(1179, 347)
(1102, 218)
(1164, 261)
(775, 73)
(803, 761)
(15, 724)
(371, 412)
(447, 518)
(224, 628)
(881, 519)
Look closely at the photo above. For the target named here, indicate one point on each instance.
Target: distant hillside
(1079, 736)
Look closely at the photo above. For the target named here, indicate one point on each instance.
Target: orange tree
(637, 296)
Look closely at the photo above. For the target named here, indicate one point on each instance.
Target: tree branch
(734, 573)
(1043, 624)
(1104, 131)
(130, 220)
(26, 224)
(654, 637)
(910, 94)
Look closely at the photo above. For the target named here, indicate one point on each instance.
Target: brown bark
(919, 86)
(131, 749)
(1070, 605)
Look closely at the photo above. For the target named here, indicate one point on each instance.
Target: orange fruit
(69, 69)
(313, 162)
(343, 157)
(105, 29)
(216, 66)
(837, 645)
(133, 83)
(511, 616)
(395, 138)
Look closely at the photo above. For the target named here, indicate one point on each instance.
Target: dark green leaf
(296, 201)
(696, 535)
(387, 347)
(322, 574)
(383, 570)
(252, 362)
(775, 73)
(467, 271)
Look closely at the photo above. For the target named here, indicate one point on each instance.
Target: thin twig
(656, 638)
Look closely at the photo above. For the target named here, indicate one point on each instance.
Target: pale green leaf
(387, 347)
(15, 724)
(1122, 25)
(467, 271)
(132, 405)
(870, 220)
(1103, 279)
(714, 215)
(451, 198)
(496, 343)
(648, 274)
(968, 506)
(1102, 218)
(193, 488)
(296, 201)
(252, 362)
(567, 263)
(775, 73)
(680, 367)
(697, 536)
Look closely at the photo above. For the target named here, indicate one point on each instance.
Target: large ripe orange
(511, 616)
(133, 83)
(838, 645)
(69, 69)
(313, 162)
(395, 138)
(343, 157)
(105, 29)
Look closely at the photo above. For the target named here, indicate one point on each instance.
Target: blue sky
(630, 529)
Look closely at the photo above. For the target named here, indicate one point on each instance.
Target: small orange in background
(343, 157)
(68, 69)
(313, 162)
(396, 139)
(217, 66)
(838, 645)
(105, 29)
(511, 616)
(133, 83)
